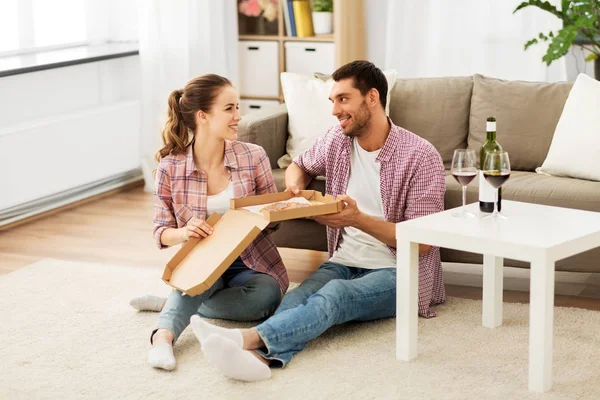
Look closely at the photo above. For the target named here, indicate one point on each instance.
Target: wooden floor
(118, 230)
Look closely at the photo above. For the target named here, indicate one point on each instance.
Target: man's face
(350, 107)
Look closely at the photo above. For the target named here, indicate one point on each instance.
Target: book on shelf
(286, 17)
(289, 7)
(303, 18)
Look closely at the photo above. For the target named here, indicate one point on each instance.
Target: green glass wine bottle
(487, 194)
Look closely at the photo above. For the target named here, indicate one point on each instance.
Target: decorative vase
(322, 22)
(261, 26)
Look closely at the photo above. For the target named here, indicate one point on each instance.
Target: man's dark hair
(366, 76)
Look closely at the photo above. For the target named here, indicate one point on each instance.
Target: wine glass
(496, 171)
(464, 170)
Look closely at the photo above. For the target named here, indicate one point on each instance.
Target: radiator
(51, 162)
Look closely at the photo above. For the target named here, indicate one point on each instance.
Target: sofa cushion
(530, 187)
(526, 114)
(533, 188)
(574, 151)
(437, 109)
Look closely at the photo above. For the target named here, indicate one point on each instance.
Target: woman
(201, 168)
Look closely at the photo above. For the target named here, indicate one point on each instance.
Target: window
(34, 26)
(58, 22)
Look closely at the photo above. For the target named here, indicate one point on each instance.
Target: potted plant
(581, 26)
(322, 15)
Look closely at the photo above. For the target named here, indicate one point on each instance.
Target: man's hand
(295, 189)
(349, 216)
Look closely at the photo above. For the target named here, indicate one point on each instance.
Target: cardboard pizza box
(319, 205)
(201, 261)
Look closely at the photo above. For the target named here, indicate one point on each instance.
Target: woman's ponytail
(199, 94)
(175, 134)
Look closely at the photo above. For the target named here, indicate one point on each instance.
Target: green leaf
(544, 5)
(322, 5)
(559, 46)
(592, 57)
(580, 20)
(530, 43)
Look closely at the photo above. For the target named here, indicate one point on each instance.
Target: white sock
(147, 303)
(203, 329)
(161, 356)
(232, 361)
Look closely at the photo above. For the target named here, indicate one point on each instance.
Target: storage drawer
(250, 105)
(259, 68)
(306, 58)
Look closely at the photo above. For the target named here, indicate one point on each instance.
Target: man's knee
(329, 299)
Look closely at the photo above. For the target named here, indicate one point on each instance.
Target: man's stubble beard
(361, 120)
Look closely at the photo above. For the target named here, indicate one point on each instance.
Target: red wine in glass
(496, 178)
(464, 170)
(464, 177)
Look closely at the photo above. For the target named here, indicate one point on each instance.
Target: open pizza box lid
(313, 203)
(201, 261)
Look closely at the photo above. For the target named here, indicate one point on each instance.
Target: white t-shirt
(359, 249)
(219, 202)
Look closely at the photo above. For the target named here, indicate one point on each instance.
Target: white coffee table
(535, 233)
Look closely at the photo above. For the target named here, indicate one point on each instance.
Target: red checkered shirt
(412, 182)
(180, 193)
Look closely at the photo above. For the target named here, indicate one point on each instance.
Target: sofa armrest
(269, 129)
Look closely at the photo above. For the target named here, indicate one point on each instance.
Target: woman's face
(224, 116)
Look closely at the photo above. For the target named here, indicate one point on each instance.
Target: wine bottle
(487, 194)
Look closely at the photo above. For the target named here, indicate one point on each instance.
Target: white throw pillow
(575, 148)
(309, 110)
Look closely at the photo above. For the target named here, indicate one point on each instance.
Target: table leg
(541, 321)
(407, 311)
(492, 290)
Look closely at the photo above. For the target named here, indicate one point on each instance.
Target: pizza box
(314, 203)
(201, 261)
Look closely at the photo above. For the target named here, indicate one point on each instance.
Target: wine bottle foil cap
(491, 126)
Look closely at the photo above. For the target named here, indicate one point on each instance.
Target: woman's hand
(196, 227)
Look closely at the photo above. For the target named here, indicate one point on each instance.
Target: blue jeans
(332, 295)
(240, 294)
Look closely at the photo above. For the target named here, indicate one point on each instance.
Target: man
(384, 174)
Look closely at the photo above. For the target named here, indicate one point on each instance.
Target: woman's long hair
(198, 94)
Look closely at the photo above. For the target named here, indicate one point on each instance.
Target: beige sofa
(450, 113)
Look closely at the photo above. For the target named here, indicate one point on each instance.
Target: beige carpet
(67, 332)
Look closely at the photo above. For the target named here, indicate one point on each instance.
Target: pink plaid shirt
(180, 193)
(412, 185)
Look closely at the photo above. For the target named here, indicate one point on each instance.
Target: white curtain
(432, 38)
(179, 40)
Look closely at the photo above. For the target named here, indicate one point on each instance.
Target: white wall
(376, 20)
(65, 127)
(576, 64)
